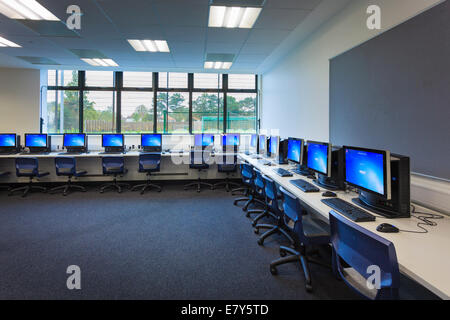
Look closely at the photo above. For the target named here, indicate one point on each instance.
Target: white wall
(295, 92)
(19, 100)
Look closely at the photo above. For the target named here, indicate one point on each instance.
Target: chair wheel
(101, 191)
(64, 194)
(256, 230)
(260, 242)
(273, 271)
(159, 190)
(308, 287)
(253, 223)
(119, 191)
(282, 253)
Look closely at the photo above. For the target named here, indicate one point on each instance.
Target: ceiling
(106, 24)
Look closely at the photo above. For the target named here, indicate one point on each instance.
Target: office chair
(148, 163)
(360, 249)
(114, 166)
(67, 167)
(28, 167)
(4, 174)
(274, 207)
(307, 231)
(199, 160)
(259, 186)
(245, 188)
(248, 178)
(226, 167)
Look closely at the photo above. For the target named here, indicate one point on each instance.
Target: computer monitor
(151, 142)
(254, 141)
(203, 140)
(319, 157)
(262, 144)
(9, 143)
(74, 141)
(231, 141)
(295, 150)
(36, 142)
(368, 170)
(383, 180)
(113, 142)
(274, 145)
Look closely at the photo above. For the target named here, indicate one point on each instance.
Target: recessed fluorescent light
(100, 62)
(6, 43)
(25, 10)
(233, 17)
(150, 45)
(217, 65)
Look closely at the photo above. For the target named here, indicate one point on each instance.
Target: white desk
(424, 258)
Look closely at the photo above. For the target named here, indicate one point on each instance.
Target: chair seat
(3, 173)
(29, 173)
(115, 170)
(313, 228)
(149, 167)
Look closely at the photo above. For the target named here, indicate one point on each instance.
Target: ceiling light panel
(233, 17)
(217, 65)
(6, 43)
(100, 62)
(26, 10)
(149, 45)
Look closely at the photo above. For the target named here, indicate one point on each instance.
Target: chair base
(243, 190)
(273, 229)
(27, 189)
(114, 185)
(299, 256)
(67, 187)
(145, 186)
(227, 184)
(198, 185)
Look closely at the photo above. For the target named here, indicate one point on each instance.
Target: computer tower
(399, 206)
(282, 152)
(336, 181)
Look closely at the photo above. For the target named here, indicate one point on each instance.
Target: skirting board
(431, 192)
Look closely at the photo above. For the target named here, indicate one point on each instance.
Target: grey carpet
(170, 245)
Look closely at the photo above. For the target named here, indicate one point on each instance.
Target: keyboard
(255, 156)
(350, 211)
(282, 172)
(264, 162)
(112, 153)
(305, 186)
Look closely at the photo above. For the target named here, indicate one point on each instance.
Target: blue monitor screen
(365, 169)
(204, 140)
(36, 140)
(318, 157)
(262, 143)
(254, 140)
(7, 140)
(231, 139)
(112, 140)
(151, 140)
(273, 147)
(294, 150)
(74, 140)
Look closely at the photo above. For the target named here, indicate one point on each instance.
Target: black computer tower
(282, 152)
(336, 181)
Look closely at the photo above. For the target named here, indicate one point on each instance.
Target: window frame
(118, 88)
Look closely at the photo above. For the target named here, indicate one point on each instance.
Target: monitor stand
(114, 150)
(326, 183)
(302, 170)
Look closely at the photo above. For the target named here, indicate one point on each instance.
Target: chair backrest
(291, 205)
(259, 181)
(150, 162)
(271, 188)
(361, 248)
(227, 163)
(200, 157)
(27, 167)
(65, 165)
(112, 164)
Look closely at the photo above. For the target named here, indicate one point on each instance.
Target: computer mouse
(329, 194)
(387, 228)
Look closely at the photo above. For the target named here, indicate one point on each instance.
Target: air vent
(238, 3)
(88, 54)
(223, 57)
(38, 60)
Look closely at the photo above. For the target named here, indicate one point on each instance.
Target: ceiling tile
(287, 19)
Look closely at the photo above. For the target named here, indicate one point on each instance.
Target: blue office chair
(258, 191)
(4, 174)
(307, 231)
(275, 209)
(359, 249)
(199, 159)
(248, 178)
(28, 167)
(114, 166)
(227, 167)
(148, 163)
(246, 175)
(67, 167)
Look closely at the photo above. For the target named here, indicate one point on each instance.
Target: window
(173, 112)
(241, 112)
(99, 112)
(90, 102)
(137, 112)
(137, 79)
(207, 112)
